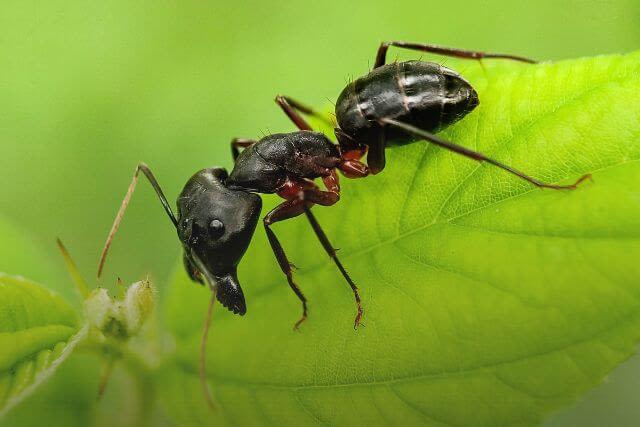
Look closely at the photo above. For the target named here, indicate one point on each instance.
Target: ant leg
(288, 104)
(478, 156)
(332, 182)
(291, 108)
(318, 197)
(447, 51)
(307, 190)
(322, 198)
(354, 169)
(307, 195)
(347, 143)
(286, 210)
(292, 113)
(125, 202)
(312, 195)
(237, 143)
(376, 158)
(351, 152)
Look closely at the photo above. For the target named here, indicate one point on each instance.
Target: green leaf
(37, 332)
(487, 301)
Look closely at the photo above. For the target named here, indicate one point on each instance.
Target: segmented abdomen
(424, 94)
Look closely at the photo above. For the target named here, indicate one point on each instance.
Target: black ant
(402, 102)
(218, 212)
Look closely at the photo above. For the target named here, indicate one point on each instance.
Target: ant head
(216, 225)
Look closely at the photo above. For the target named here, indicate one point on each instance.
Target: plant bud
(120, 318)
(138, 305)
(98, 308)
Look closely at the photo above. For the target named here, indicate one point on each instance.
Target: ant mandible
(218, 212)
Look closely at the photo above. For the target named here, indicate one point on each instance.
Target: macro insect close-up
(218, 211)
(441, 236)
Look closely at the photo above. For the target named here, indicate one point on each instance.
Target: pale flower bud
(98, 308)
(138, 305)
(124, 318)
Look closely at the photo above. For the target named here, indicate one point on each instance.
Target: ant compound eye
(216, 228)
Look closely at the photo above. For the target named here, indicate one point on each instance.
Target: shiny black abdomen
(424, 94)
(266, 165)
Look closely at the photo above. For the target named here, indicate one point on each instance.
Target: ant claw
(573, 186)
(580, 180)
(585, 177)
(296, 327)
(357, 323)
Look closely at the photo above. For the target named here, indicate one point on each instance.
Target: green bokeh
(23, 255)
(88, 89)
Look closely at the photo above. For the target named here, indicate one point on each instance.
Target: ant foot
(571, 186)
(296, 327)
(356, 323)
(584, 178)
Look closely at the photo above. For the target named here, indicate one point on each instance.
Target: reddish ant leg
(353, 169)
(332, 182)
(294, 189)
(351, 153)
(354, 154)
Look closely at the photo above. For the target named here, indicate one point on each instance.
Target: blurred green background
(88, 89)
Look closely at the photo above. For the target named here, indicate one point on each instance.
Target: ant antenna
(123, 207)
(72, 268)
(203, 352)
